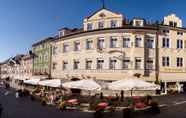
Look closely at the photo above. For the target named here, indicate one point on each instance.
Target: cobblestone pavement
(171, 107)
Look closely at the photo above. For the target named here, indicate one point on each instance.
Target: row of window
(166, 61)
(113, 44)
(42, 46)
(166, 43)
(126, 44)
(125, 63)
(112, 64)
(101, 25)
(178, 33)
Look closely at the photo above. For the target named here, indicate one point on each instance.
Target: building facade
(17, 69)
(5, 69)
(110, 47)
(42, 59)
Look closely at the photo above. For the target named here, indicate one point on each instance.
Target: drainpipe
(50, 60)
(157, 54)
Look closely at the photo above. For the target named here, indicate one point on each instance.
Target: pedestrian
(122, 95)
(52, 99)
(17, 94)
(117, 97)
(101, 95)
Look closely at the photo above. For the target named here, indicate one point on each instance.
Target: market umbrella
(32, 81)
(51, 83)
(132, 84)
(86, 84)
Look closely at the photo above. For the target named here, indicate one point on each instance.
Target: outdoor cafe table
(72, 104)
(102, 105)
(72, 101)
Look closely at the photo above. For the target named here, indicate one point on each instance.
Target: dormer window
(172, 24)
(138, 23)
(172, 20)
(61, 33)
(113, 23)
(89, 26)
(100, 25)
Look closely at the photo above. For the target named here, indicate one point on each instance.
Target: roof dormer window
(61, 33)
(89, 26)
(172, 20)
(113, 23)
(101, 25)
(138, 23)
(172, 24)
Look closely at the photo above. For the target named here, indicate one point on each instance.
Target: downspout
(50, 60)
(157, 55)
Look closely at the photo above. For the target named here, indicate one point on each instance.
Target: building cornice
(153, 29)
(43, 41)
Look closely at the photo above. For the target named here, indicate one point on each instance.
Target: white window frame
(179, 44)
(113, 23)
(113, 42)
(151, 41)
(76, 64)
(77, 46)
(165, 61)
(126, 63)
(88, 67)
(179, 62)
(101, 24)
(150, 64)
(100, 64)
(89, 44)
(65, 47)
(166, 42)
(138, 63)
(99, 44)
(112, 64)
(65, 65)
(126, 42)
(138, 43)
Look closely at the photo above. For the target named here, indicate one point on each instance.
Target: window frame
(126, 42)
(113, 23)
(165, 61)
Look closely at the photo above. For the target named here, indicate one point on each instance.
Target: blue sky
(23, 22)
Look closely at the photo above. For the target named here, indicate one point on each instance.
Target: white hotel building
(109, 47)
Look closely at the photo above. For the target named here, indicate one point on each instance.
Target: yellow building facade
(109, 47)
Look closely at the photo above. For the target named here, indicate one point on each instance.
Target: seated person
(62, 105)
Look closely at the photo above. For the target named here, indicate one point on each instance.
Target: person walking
(17, 94)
